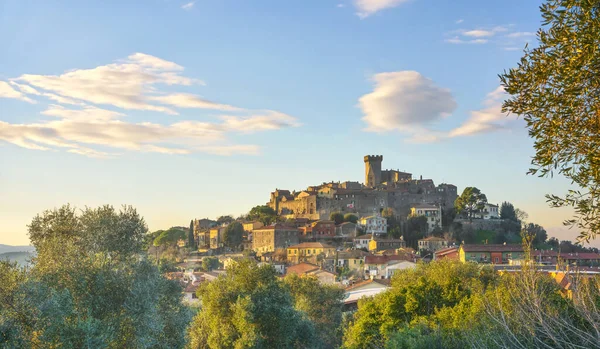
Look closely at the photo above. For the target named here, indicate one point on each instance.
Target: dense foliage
(471, 201)
(89, 287)
(555, 89)
(264, 214)
(250, 307)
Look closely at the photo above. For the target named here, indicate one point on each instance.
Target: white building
(374, 225)
(361, 241)
(490, 211)
(432, 212)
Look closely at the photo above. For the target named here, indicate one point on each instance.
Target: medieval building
(382, 189)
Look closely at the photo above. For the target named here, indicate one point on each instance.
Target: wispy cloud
(459, 21)
(366, 8)
(520, 34)
(341, 5)
(457, 40)
(188, 6)
(78, 125)
(7, 91)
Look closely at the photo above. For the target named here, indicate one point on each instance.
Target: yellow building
(308, 250)
(386, 244)
(216, 237)
(250, 226)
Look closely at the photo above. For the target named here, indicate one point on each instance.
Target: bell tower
(373, 170)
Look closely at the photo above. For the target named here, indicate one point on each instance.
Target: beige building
(433, 214)
(267, 239)
(432, 243)
(308, 251)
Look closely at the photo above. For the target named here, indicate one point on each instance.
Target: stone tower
(373, 170)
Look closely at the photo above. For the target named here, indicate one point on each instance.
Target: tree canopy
(250, 308)
(507, 211)
(233, 235)
(89, 286)
(350, 217)
(337, 217)
(170, 237)
(225, 219)
(264, 214)
(555, 89)
(471, 201)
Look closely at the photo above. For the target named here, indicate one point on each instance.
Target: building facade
(433, 214)
(308, 251)
(432, 243)
(376, 225)
(269, 238)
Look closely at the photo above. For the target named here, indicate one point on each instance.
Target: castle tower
(373, 170)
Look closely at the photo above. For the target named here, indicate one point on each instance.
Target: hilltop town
(352, 234)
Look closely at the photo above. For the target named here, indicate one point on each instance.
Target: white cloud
(186, 100)
(459, 21)
(520, 34)
(404, 101)
(7, 91)
(188, 6)
(457, 40)
(341, 5)
(487, 119)
(478, 33)
(368, 7)
(86, 129)
(510, 48)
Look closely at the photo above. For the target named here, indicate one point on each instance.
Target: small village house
(433, 214)
(308, 251)
(269, 238)
(432, 243)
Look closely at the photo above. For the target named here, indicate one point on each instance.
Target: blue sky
(197, 109)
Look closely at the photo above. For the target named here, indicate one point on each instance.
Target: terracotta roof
(446, 251)
(493, 248)
(351, 254)
(301, 268)
(174, 275)
(191, 287)
(384, 259)
(433, 238)
(363, 237)
(389, 240)
(276, 226)
(311, 245)
(384, 282)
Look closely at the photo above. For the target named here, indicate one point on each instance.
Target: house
(375, 266)
(361, 241)
(365, 288)
(546, 257)
(308, 251)
(489, 211)
(433, 214)
(216, 235)
(395, 266)
(303, 269)
(446, 253)
(491, 253)
(346, 230)
(353, 260)
(319, 229)
(581, 258)
(432, 243)
(386, 244)
(250, 226)
(374, 224)
(267, 239)
(189, 292)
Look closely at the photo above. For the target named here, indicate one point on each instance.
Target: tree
(249, 307)
(82, 292)
(321, 303)
(264, 214)
(415, 229)
(521, 215)
(337, 217)
(191, 239)
(507, 211)
(170, 237)
(233, 235)
(350, 217)
(554, 88)
(471, 201)
(538, 232)
(448, 216)
(210, 263)
(224, 220)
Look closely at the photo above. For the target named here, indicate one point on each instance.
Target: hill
(9, 248)
(21, 257)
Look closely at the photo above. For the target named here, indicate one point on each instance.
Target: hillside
(22, 258)
(9, 248)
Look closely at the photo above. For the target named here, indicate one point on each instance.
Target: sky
(198, 109)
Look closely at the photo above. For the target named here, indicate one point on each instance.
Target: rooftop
(301, 268)
(492, 248)
(311, 245)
